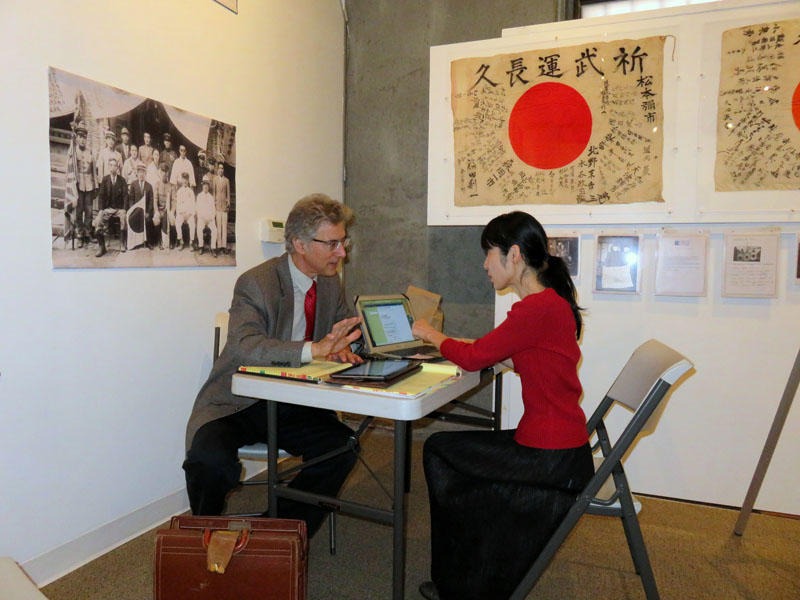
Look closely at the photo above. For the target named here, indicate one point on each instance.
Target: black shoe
(428, 590)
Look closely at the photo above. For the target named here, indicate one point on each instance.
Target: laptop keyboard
(417, 350)
(429, 350)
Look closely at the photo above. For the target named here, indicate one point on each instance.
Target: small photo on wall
(750, 269)
(617, 265)
(568, 249)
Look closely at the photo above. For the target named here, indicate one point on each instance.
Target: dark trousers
(494, 504)
(213, 469)
(83, 213)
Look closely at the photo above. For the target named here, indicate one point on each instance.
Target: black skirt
(494, 503)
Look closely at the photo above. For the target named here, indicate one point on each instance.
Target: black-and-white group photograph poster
(136, 182)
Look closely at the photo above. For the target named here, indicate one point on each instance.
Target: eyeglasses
(334, 244)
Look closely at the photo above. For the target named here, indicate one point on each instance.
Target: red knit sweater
(539, 335)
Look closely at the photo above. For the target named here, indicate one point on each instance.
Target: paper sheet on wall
(681, 264)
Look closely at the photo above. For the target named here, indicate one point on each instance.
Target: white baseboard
(56, 563)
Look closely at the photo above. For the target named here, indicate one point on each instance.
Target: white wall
(99, 368)
(716, 422)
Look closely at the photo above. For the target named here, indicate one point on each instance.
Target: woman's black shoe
(428, 590)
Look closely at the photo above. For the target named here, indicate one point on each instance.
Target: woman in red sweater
(496, 496)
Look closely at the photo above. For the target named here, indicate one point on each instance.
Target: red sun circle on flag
(796, 106)
(550, 125)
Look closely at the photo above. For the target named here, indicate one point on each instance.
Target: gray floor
(694, 553)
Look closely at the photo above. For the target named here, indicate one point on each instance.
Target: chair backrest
(641, 386)
(220, 332)
(649, 362)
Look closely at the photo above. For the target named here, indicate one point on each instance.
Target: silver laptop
(386, 326)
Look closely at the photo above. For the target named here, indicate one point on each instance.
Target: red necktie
(310, 308)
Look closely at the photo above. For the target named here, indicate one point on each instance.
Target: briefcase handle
(221, 544)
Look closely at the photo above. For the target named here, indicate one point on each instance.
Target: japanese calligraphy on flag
(758, 108)
(136, 224)
(571, 125)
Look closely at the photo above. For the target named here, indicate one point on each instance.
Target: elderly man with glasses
(285, 312)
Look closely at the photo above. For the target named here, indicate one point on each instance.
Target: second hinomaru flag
(136, 224)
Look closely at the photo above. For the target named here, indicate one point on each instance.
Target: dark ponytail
(522, 229)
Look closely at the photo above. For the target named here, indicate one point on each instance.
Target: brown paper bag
(426, 305)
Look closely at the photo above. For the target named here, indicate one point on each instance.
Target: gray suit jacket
(259, 333)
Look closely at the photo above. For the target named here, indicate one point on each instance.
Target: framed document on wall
(618, 264)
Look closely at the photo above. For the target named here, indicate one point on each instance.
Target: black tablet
(377, 370)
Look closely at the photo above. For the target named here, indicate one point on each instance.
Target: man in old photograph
(164, 193)
(113, 202)
(86, 184)
(185, 213)
(206, 217)
(131, 165)
(106, 155)
(167, 155)
(142, 190)
(146, 150)
(182, 166)
(124, 147)
(222, 203)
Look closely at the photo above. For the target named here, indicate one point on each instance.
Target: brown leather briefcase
(227, 558)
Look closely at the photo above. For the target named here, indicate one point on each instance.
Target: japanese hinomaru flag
(136, 221)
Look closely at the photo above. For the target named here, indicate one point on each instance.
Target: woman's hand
(423, 330)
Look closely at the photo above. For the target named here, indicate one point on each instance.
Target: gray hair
(309, 213)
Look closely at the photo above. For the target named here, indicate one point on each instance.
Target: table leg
(399, 524)
(407, 474)
(272, 457)
(498, 400)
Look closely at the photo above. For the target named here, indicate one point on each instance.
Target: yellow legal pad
(315, 371)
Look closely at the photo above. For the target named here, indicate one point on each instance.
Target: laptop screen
(386, 323)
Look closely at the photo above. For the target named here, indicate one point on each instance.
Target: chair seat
(598, 507)
(258, 452)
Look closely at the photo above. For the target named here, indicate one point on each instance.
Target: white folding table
(400, 409)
